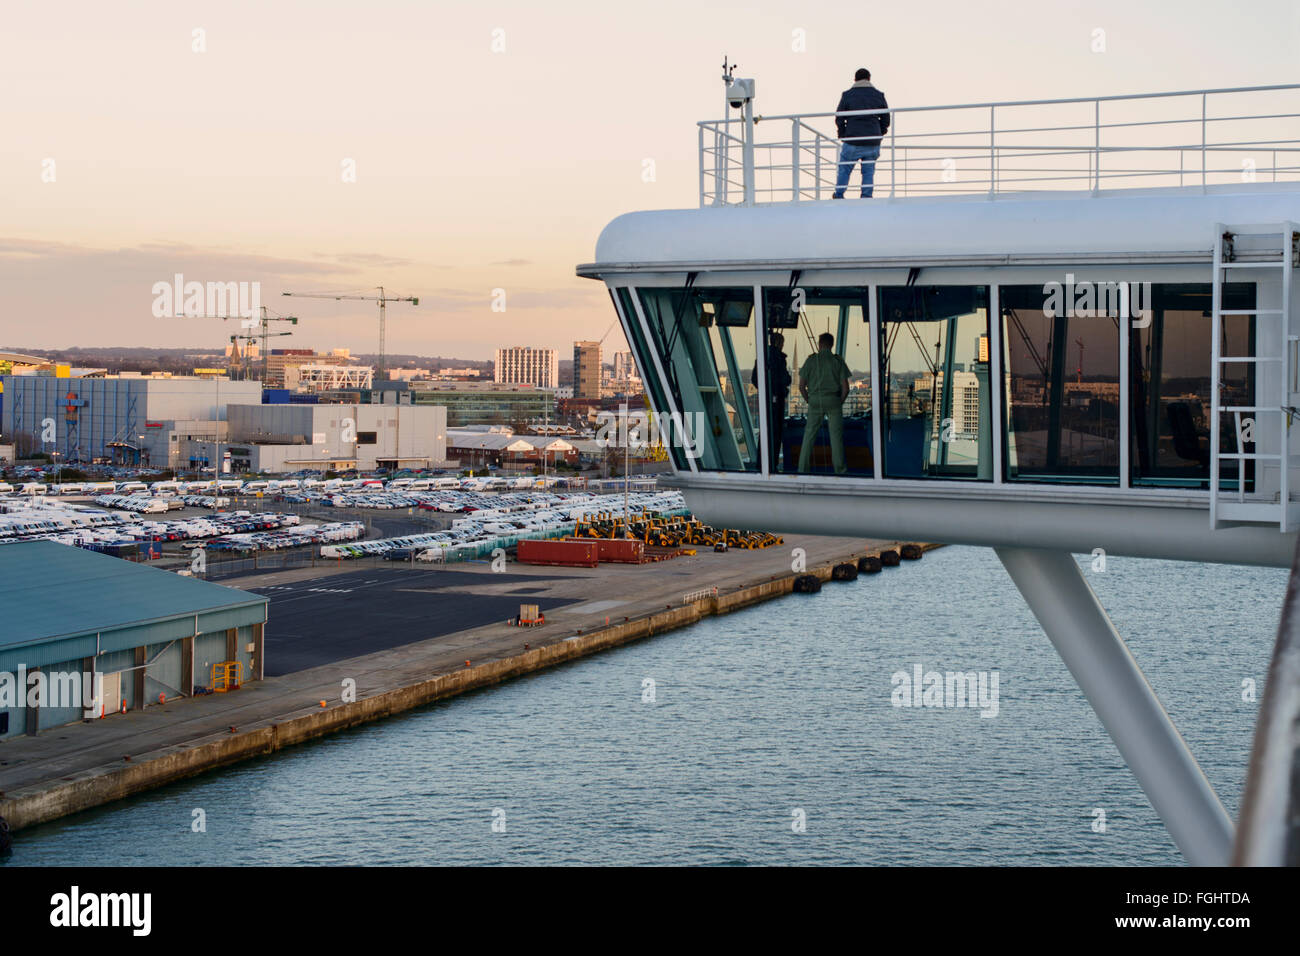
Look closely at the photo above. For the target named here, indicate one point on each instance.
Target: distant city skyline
(468, 156)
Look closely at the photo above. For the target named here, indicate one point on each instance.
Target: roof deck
(1184, 138)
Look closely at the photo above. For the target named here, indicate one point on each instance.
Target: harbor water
(775, 735)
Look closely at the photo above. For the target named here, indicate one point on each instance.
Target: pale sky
(475, 169)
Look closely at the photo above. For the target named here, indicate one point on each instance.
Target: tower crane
(262, 323)
(383, 299)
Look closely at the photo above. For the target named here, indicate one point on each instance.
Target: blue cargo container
(275, 396)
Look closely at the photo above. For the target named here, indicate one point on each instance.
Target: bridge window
(1170, 385)
(1060, 347)
(707, 339)
(934, 375)
(654, 388)
(796, 320)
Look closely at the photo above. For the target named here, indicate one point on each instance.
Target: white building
(520, 365)
(283, 438)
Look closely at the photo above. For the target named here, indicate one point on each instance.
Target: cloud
(149, 261)
(513, 262)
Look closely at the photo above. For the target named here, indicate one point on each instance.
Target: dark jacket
(862, 130)
(778, 371)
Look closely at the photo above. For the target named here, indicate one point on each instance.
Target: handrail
(991, 156)
(1060, 102)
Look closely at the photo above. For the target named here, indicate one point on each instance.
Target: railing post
(1203, 99)
(893, 161)
(817, 167)
(993, 169)
(795, 158)
(1096, 145)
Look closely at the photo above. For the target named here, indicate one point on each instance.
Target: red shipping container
(569, 554)
(618, 550)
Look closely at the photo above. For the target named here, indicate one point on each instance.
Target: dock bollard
(890, 558)
(869, 565)
(844, 572)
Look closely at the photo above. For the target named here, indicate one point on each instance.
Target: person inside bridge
(824, 384)
(859, 135)
(778, 379)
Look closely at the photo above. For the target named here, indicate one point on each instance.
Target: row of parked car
(307, 534)
(282, 486)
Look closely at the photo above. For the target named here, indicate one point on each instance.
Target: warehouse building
(273, 439)
(86, 620)
(131, 419)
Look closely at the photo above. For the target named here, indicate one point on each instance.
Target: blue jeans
(850, 154)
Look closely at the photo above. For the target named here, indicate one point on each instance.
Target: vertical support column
(875, 353)
(764, 383)
(998, 411)
(31, 712)
(1079, 629)
(137, 678)
(1125, 382)
(232, 643)
(87, 675)
(187, 666)
(259, 652)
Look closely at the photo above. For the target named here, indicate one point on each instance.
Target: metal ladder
(1272, 249)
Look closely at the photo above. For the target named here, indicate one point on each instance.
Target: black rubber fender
(844, 572)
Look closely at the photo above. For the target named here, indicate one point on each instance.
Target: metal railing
(1186, 138)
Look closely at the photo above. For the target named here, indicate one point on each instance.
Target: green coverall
(825, 376)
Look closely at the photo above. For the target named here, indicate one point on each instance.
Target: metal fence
(1186, 138)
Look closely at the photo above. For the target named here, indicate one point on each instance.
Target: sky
(490, 141)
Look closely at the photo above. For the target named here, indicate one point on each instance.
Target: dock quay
(347, 646)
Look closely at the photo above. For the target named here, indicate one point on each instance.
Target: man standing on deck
(824, 384)
(860, 135)
(778, 377)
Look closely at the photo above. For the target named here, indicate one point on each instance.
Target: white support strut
(1105, 670)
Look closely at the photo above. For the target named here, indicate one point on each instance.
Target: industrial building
(525, 366)
(271, 439)
(87, 620)
(473, 403)
(130, 419)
